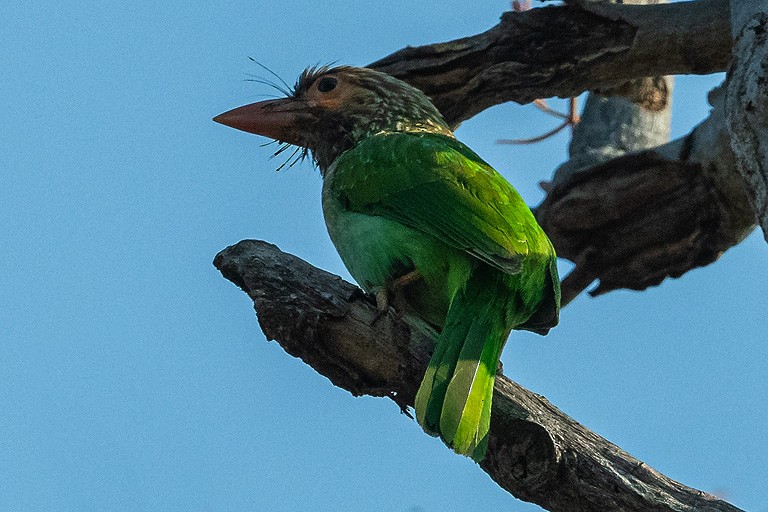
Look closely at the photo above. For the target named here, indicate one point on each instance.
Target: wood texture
(747, 101)
(635, 220)
(536, 452)
(633, 118)
(564, 51)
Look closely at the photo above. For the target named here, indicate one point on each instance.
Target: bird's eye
(327, 83)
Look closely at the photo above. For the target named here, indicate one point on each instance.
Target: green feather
(464, 364)
(434, 385)
(401, 196)
(402, 201)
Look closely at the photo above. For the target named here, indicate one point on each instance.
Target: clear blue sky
(134, 378)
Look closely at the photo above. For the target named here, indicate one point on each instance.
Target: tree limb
(564, 51)
(536, 452)
(635, 117)
(747, 107)
(636, 219)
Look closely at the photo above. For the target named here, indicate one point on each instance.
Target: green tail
(454, 399)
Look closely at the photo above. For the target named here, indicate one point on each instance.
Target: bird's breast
(377, 250)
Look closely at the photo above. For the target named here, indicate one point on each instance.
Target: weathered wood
(634, 220)
(747, 100)
(536, 452)
(564, 51)
(633, 118)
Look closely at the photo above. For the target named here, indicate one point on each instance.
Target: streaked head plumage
(331, 109)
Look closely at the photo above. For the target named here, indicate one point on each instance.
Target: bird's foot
(382, 303)
(383, 293)
(404, 280)
(404, 407)
(359, 294)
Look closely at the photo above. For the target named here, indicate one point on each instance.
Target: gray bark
(564, 51)
(747, 100)
(635, 117)
(536, 452)
(634, 220)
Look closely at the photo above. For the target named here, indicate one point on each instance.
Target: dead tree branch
(536, 452)
(564, 51)
(747, 103)
(634, 220)
(632, 118)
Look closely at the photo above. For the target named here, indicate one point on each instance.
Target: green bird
(416, 215)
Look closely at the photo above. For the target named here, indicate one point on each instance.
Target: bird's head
(332, 109)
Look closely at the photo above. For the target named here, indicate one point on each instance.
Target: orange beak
(277, 119)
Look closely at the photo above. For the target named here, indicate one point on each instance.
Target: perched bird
(415, 213)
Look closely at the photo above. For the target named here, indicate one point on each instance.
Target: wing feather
(437, 185)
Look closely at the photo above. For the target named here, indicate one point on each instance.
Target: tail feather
(485, 424)
(454, 399)
(467, 378)
(431, 394)
(465, 418)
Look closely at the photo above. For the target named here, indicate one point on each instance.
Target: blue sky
(135, 378)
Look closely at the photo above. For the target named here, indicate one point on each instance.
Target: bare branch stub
(536, 452)
(635, 220)
(632, 221)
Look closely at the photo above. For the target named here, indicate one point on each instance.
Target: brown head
(332, 109)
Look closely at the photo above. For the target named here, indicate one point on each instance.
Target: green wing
(437, 185)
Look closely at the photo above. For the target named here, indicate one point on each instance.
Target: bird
(418, 216)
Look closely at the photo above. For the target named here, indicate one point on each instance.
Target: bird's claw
(382, 293)
(382, 304)
(404, 407)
